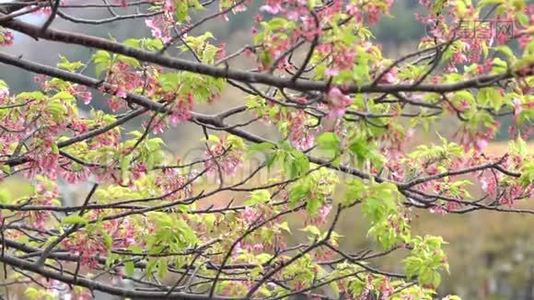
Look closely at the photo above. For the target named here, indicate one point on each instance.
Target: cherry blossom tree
(154, 225)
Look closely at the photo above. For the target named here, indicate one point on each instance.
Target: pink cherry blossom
(250, 215)
(272, 6)
(337, 102)
(160, 26)
(182, 110)
(4, 94)
(82, 92)
(517, 106)
(300, 135)
(6, 38)
(222, 157)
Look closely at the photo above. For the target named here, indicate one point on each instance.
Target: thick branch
(216, 121)
(245, 76)
(96, 285)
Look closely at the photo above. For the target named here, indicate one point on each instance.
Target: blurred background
(491, 254)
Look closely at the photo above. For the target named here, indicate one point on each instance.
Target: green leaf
(363, 149)
(74, 219)
(169, 81)
(132, 62)
(214, 139)
(313, 204)
(328, 141)
(134, 43)
(294, 162)
(64, 96)
(527, 174)
(261, 147)
(507, 52)
(102, 60)
(462, 96)
(263, 258)
(5, 196)
(313, 230)
(32, 293)
(125, 168)
(150, 265)
(298, 192)
(522, 18)
(355, 191)
(426, 259)
(65, 64)
(37, 95)
(259, 197)
(499, 65)
(491, 97)
(108, 241)
(265, 291)
(129, 268)
(284, 226)
(56, 109)
(438, 6)
(153, 44)
(162, 268)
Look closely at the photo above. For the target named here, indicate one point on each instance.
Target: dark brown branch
(96, 285)
(246, 76)
(214, 121)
